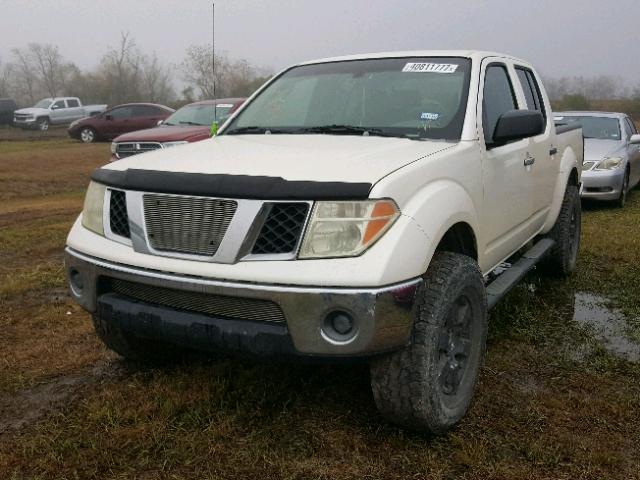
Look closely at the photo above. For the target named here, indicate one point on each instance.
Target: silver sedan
(611, 154)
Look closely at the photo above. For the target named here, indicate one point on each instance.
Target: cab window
(72, 103)
(498, 98)
(58, 104)
(531, 91)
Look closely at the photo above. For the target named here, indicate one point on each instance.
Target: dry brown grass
(541, 410)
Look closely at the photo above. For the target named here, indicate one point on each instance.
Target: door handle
(529, 160)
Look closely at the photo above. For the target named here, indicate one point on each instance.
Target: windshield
(200, 114)
(602, 128)
(405, 97)
(43, 103)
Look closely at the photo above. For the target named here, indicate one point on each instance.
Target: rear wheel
(622, 199)
(88, 135)
(43, 124)
(135, 348)
(429, 385)
(562, 259)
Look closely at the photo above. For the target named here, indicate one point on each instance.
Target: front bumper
(602, 185)
(25, 123)
(382, 317)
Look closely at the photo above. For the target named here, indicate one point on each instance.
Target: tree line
(125, 74)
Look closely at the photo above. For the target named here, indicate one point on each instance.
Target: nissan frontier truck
(370, 206)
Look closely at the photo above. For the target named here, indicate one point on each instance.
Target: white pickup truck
(371, 206)
(54, 111)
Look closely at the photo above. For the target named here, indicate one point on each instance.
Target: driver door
(507, 179)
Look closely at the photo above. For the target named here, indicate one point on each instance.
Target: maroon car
(190, 123)
(118, 120)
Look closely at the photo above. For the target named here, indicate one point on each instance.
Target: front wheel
(622, 199)
(43, 124)
(428, 386)
(88, 135)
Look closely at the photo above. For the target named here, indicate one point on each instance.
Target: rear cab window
(531, 89)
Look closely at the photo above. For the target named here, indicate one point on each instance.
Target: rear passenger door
(508, 183)
(75, 111)
(545, 163)
(144, 116)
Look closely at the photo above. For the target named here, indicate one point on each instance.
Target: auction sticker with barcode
(430, 67)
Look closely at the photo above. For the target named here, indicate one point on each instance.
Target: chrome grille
(22, 116)
(127, 149)
(191, 225)
(224, 306)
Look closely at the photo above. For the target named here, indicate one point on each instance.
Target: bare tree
(50, 66)
(232, 78)
(121, 68)
(6, 72)
(25, 75)
(157, 82)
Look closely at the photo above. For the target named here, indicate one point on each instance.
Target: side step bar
(499, 287)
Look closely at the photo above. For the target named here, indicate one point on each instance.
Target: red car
(190, 123)
(118, 120)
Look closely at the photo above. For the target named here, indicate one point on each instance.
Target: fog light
(339, 326)
(76, 281)
(342, 323)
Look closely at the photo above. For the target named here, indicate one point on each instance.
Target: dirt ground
(559, 395)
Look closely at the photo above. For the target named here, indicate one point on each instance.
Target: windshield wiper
(191, 123)
(253, 130)
(347, 130)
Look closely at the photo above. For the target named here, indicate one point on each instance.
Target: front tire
(561, 261)
(88, 135)
(428, 386)
(134, 348)
(624, 191)
(43, 124)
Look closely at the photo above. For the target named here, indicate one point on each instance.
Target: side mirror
(635, 139)
(54, 107)
(108, 117)
(518, 124)
(160, 122)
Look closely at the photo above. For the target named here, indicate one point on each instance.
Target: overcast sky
(561, 37)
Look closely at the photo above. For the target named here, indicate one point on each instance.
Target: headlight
(114, 147)
(93, 207)
(172, 144)
(346, 229)
(609, 163)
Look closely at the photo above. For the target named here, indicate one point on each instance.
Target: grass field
(559, 395)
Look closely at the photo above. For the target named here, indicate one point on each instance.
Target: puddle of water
(608, 326)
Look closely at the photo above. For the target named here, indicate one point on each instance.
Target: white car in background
(54, 111)
(611, 154)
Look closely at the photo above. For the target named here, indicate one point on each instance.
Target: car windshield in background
(601, 128)
(200, 115)
(404, 97)
(43, 104)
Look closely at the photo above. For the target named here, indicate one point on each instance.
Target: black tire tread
(397, 383)
(558, 262)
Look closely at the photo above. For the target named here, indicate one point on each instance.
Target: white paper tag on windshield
(430, 68)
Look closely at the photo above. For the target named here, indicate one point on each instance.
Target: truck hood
(33, 111)
(596, 149)
(320, 158)
(164, 133)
